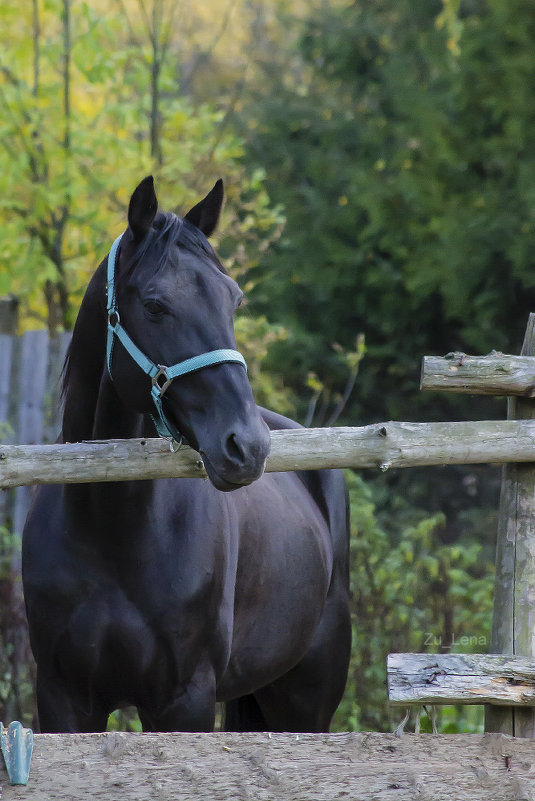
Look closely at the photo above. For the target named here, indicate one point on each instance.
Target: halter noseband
(160, 375)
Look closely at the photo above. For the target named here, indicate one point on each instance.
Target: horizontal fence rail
(495, 374)
(460, 679)
(286, 767)
(382, 445)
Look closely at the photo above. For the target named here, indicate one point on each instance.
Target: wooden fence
(278, 767)
(30, 370)
(381, 445)
(291, 766)
(513, 626)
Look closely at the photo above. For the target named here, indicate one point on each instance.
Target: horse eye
(154, 308)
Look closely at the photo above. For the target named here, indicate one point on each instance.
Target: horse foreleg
(60, 712)
(192, 708)
(244, 714)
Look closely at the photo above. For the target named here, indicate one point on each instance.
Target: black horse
(170, 595)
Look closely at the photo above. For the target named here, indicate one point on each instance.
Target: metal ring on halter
(114, 313)
(162, 371)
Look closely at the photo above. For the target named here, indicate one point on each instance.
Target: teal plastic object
(17, 748)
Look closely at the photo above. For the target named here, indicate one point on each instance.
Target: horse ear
(205, 215)
(143, 207)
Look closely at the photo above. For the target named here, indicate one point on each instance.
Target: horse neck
(92, 408)
(119, 506)
(112, 420)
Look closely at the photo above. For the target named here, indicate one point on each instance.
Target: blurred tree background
(380, 172)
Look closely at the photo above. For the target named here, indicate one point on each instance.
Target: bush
(410, 592)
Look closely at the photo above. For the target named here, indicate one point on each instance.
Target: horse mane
(66, 372)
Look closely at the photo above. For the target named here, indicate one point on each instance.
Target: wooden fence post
(32, 385)
(513, 627)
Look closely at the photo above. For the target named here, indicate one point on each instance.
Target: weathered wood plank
(286, 767)
(381, 445)
(460, 679)
(514, 589)
(22, 370)
(6, 353)
(6, 350)
(32, 378)
(495, 374)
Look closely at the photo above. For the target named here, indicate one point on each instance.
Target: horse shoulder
(327, 488)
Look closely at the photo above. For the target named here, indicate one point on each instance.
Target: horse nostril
(234, 450)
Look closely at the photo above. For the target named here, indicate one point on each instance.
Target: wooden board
(513, 620)
(495, 374)
(381, 445)
(32, 385)
(6, 351)
(460, 679)
(30, 370)
(280, 767)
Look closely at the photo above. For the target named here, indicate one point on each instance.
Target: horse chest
(129, 616)
(129, 645)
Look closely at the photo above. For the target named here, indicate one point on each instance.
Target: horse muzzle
(240, 459)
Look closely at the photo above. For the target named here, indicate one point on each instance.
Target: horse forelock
(167, 231)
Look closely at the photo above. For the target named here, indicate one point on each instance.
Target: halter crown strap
(160, 375)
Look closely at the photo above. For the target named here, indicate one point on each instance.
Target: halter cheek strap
(160, 375)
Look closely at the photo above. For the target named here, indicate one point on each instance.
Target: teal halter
(160, 375)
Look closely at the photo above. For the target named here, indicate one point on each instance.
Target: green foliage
(410, 592)
(85, 118)
(254, 337)
(401, 148)
(124, 720)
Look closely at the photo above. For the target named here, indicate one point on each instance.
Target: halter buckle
(157, 382)
(115, 314)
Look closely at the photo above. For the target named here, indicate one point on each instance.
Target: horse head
(174, 345)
